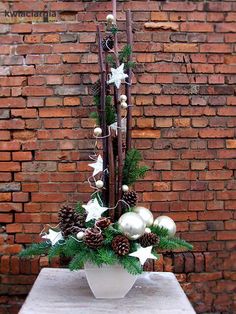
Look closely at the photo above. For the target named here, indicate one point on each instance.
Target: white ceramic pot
(109, 281)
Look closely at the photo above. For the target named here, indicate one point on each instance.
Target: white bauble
(123, 98)
(80, 235)
(145, 214)
(148, 230)
(167, 223)
(110, 19)
(132, 225)
(99, 184)
(97, 131)
(124, 105)
(125, 188)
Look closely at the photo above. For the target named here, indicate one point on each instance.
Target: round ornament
(132, 225)
(145, 214)
(167, 223)
(124, 105)
(110, 19)
(148, 230)
(123, 98)
(80, 235)
(97, 131)
(125, 188)
(99, 184)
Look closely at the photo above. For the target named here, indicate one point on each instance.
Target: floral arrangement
(112, 227)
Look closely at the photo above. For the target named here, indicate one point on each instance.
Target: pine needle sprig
(132, 171)
(173, 244)
(35, 249)
(160, 231)
(131, 264)
(55, 250)
(107, 256)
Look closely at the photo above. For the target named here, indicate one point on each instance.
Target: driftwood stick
(103, 113)
(128, 86)
(112, 182)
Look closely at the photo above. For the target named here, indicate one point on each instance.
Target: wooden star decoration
(53, 236)
(97, 166)
(143, 253)
(94, 210)
(117, 75)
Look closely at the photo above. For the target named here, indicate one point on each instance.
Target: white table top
(60, 291)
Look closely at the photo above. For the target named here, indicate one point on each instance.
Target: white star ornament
(53, 236)
(117, 75)
(143, 253)
(97, 166)
(94, 210)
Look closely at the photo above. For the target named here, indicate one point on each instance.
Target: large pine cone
(103, 222)
(149, 239)
(93, 238)
(130, 198)
(108, 43)
(70, 222)
(120, 245)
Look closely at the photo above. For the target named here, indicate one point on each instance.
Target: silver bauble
(99, 184)
(145, 214)
(132, 225)
(167, 223)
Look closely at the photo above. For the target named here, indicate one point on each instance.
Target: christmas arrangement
(112, 228)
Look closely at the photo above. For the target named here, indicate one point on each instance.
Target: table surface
(60, 291)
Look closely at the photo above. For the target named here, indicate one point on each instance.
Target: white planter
(109, 281)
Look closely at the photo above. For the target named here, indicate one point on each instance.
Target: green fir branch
(125, 53)
(160, 231)
(107, 256)
(131, 264)
(110, 111)
(173, 244)
(35, 249)
(79, 208)
(132, 171)
(55, 250)
(111, 61)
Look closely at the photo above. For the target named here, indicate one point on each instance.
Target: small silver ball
(97, 131)
(123, 98)
(99, 184)
(167, 223)
(125, 188)
(145, 214)
(80, 235)
(110, 18)
(124, 105)
(131, 225)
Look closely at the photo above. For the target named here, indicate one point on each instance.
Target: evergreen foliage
(132, 171)
(35, 249)
(110, 110)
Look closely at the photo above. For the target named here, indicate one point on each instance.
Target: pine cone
(80, 220)
(120, 245)
(103, 222)
(93, 238)
(108, 43)
(66, 214)
(130, 198)
(149, 239)
(96, 89)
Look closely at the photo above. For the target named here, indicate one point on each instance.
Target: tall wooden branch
(103, 112)
(112, 176)
(128, 86)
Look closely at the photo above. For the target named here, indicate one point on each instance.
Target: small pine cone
(130, 198)
(120, 245)
(73, 230)
(103, 222)
(149, 239)
(108, 43)
(80, 220)
(93, 238)
(66, 214)
(96, 89)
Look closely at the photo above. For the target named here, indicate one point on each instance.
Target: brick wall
(184, 119)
